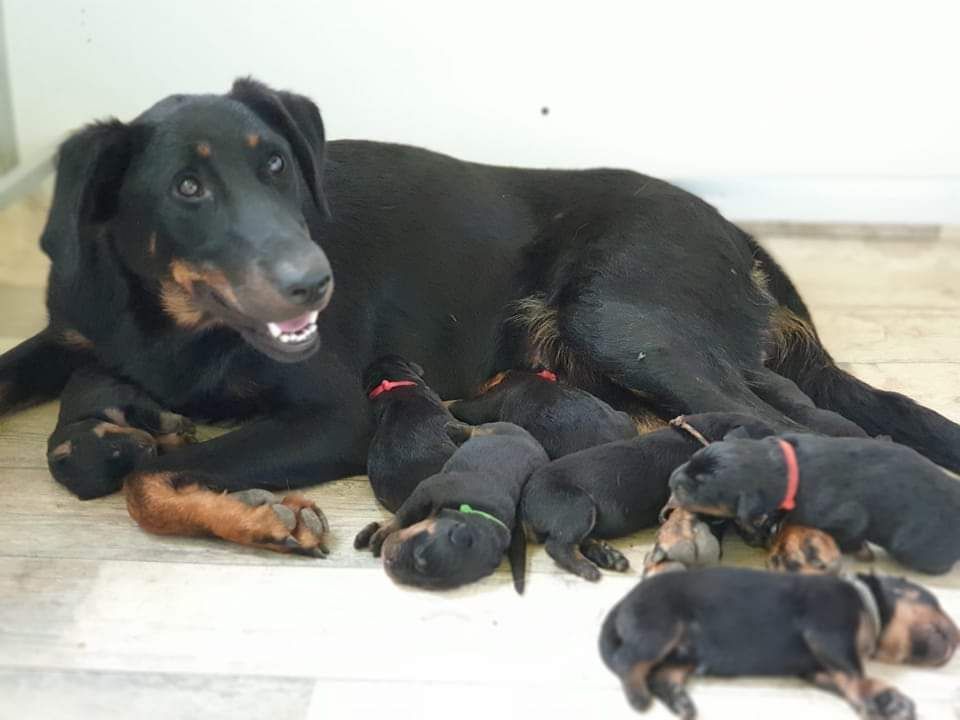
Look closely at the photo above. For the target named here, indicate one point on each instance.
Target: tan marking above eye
(152, 245)
(253, 139)
(61, 450)
(204, 150)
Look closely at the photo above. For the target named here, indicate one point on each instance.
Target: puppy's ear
(738, 433)
(90, 168)
(749, 508)
(297, 118)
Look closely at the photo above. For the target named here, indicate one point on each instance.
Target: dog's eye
(275, 164)
(190, 187)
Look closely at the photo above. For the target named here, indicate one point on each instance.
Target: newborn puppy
(730, 622)
(563, 418)
(412, 437)
(684, 540)
(456, 525)
(614, 490)
(857, 490)
(104, 430)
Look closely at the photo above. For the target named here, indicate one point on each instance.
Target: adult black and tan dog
(194, 253)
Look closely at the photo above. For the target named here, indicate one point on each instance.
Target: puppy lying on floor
(563, 418)
(857, 490)
(456, 525)
(818, 627)
(613, 490)
(412, 438)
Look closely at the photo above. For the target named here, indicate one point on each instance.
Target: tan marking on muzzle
(185, 275)
(909, 618)
(178, 304)
(106, 428)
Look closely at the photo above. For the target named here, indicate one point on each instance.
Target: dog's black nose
(303, 284)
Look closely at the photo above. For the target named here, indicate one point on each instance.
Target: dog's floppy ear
(90, 167)
(295, 117)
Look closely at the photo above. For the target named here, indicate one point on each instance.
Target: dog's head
(204, 200)
(91, 457)
(391, 367)
(914, 628)
(736, 478)
(445, 551)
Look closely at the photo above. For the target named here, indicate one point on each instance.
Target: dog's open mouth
(288, 341)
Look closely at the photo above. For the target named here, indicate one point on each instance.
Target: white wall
(809, 110)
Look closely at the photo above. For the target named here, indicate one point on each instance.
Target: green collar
(467, 510)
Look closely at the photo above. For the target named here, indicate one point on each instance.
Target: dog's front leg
(189, 492)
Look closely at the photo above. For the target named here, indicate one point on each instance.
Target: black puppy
(730, 622)
(614, 490)
(412, 437)
(105, 429)
(455, 526)
(563, 418)
(858, 490)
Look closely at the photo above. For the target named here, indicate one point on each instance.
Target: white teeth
(313, 317)
(293, 337)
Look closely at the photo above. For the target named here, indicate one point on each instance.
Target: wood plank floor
(100, 620)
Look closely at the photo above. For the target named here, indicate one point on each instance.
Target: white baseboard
(837, 199)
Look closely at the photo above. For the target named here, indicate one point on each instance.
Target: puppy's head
(90, 458)
(390, 367)
(204, 199)
(742, 479)
(445, 551)
(914, 628)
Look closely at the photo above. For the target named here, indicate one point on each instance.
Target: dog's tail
(795, 351)
(518, 554)
(37, 369)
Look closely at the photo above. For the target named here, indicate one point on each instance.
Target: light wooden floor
(100, 620)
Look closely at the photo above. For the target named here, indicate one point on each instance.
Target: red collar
(547, 375)
(793, 475)
(387, 386)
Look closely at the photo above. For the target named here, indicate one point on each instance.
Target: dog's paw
(889, 704)
(362, 540)
(605, 556)
(686, 539)
(305, 524)
(803, 549)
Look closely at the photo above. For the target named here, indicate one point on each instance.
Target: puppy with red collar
(412, 437)
(564, 419)
(858, 490)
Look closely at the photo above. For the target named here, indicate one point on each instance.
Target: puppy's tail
(37, 369)
(517, 554)
(796, 352)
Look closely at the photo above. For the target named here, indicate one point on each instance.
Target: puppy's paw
(686, 539)
(889, 704)
(605, 556)
(362, 540)
(804, 550)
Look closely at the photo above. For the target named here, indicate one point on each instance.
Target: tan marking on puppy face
(804, 550)
(253, 139)
(116, 415)
(61, 450)
(391, 546)
(203, 150)
(914, 621)
(648, 422)
(152, 244)
(105, 428)
(76, 339)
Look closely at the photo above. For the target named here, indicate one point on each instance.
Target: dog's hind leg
(872, 699)
(796, 352)
(668, 684)
(37, 369)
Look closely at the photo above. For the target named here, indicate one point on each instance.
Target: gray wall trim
(8, 134)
